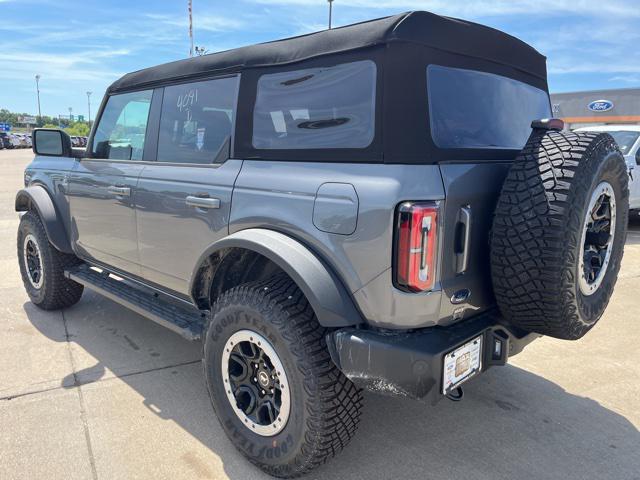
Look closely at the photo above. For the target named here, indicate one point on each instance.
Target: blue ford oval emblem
(600, 105)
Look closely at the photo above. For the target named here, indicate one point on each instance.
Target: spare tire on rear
(559, 231)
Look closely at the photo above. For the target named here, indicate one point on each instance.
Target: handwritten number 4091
(187, 100)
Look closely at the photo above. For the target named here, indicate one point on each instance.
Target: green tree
(80, 129)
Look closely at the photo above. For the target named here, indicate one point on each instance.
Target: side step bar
(187, 322)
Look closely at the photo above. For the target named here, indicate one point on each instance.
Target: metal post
(330, 12)
(89, 107)
(190, 29)
(38, 94)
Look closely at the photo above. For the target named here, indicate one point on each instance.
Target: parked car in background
(16, 141)
(25, 140)
(628, 139)
(5, 139)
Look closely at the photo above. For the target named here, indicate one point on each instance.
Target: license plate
(462, 364)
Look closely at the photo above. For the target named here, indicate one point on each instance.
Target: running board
(187, 322)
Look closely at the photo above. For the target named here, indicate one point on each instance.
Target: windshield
(625, 140)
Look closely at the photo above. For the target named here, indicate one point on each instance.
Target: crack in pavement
(83, 410)
(78, 383)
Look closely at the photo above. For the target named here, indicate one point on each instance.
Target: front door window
(122, 127)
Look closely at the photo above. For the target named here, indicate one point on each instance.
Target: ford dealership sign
(600, 105)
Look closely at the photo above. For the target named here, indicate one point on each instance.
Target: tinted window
(197, 120)
(123, 124)
(625, 140)
(325, 107)
(470, 109)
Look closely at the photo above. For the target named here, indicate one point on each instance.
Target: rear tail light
(415, 247)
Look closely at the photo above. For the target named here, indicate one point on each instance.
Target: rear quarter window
(471, 109)
(316, 108)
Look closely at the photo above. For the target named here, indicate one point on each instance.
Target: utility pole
(190, 28)
(89, 107)
(330, 11)
(38, 94)
(70, 115)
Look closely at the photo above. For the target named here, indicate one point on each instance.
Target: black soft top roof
(423, 28)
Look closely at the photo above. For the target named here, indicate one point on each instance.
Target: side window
(196, 122)
(325, 107)
(123, 124)
(471, 109)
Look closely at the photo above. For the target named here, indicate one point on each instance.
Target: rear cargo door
(479, 121)
(472, 192)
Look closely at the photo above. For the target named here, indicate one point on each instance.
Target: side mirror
(51, 142)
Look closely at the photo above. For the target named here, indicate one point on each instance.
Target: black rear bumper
(410, 363)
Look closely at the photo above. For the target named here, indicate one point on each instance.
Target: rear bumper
(410, 364)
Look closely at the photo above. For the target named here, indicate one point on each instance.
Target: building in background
(597, 107)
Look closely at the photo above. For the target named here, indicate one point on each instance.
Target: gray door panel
(102, 195)
(181, 210)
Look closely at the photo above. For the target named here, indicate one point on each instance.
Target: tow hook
(456, 394)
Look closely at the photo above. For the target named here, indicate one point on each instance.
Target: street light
(191, 28)
(38, 94)
(330, 11)
(89, 106)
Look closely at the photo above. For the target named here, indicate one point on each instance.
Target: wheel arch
(37, 198)
(327, 295)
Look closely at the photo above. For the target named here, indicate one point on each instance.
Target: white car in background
(628, 139)
(16, 141)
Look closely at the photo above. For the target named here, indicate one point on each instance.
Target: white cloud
(483, 8)
(635, 79)
(208, 23)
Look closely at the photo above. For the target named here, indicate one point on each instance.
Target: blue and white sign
(5, 127)
(600, 105)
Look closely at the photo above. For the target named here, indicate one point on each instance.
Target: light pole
(38, 94)
(190, 29)
(89, 107)
(330, 11)
(70, 115)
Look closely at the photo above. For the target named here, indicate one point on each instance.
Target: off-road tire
(56, 291)
(537, 232)
(325, 405)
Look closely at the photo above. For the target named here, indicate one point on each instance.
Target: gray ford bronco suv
(381, 206)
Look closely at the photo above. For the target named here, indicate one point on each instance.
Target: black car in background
(5, 142)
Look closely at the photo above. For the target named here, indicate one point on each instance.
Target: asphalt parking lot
(98, 392)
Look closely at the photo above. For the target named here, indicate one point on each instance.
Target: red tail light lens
(416, 235)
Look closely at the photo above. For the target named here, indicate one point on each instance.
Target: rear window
(470, 109)
(316, 108)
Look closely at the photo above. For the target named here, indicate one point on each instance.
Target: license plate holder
(461, 364)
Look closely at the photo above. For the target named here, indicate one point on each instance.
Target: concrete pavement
(97, 392)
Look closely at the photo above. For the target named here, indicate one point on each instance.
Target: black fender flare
(38, 198)
(330, 300)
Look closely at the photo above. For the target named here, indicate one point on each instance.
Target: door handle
(119, 191)
(464, 234)
(202, 202)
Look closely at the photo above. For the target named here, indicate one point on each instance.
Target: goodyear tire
(277, 394)
(559, 232)
(42, 267)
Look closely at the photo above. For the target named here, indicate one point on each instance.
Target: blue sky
(83, 46)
